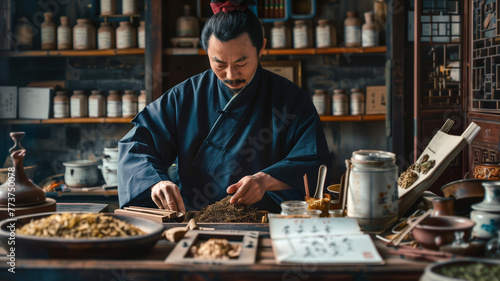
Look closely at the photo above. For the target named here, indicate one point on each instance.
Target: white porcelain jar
(81, 173)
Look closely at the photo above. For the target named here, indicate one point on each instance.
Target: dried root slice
(215, 248)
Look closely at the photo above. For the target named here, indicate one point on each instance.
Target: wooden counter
(153, 267)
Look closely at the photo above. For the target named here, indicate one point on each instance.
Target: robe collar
(245, 95)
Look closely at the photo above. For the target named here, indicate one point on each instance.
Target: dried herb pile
(223, 211)
(471, 272)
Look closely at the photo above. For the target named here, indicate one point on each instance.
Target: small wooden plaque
(248, 240)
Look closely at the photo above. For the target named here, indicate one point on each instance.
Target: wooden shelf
(73, 53)
(274, 52)
(66, 120)
(352, 118)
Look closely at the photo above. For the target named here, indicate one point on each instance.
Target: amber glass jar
(61, 105)
(64, 38)
(84, 37)
(79, 104)
(97, 104)
(49, 33)
(125, 36)
(106, 36)
(129, 104)
(114, 104)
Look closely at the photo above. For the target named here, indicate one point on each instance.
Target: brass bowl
(29, 246)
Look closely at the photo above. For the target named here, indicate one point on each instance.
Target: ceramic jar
(79, 104)
(141, 35)
(443, 206)
(49, 33)
(129, 7)
(129, 104)
(357, 102)
(187, 25)
(80, 173)
(84, 37)
(340, 105)
(125, 36)
(281, 36)
(108, 7)
(61, 105)
(352, 30)
(486, 214)
(97, 104)
(302, 37)
(106, 36)
(114, 104)
(321, 101)
(64, 38)
(141, 101)
(326, 34)
(369, 35)
(372, 196)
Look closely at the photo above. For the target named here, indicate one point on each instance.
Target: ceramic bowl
(433, 232)
(466, 192)
(433, 271)
(488, 171)
(486, 224)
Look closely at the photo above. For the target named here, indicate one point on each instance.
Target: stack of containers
(109, 165)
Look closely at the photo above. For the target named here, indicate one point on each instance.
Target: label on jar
(323, 39)
(129, 108)
(300, 37)
(61, 109)
(319, 103)
(370, 38)
(81, 38)
(114, 108)
(128, 7)
(104, 40)
(357, 106)
(94, 108)
(353, 34)
(278, 38)
(48, 35)
(106, 7)
(141, 39)
(124, 39)
(76, 110)
(64, 35)
(340, 107)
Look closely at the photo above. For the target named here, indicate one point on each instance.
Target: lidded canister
(97, 104)
(187, 25)
(321, 101)
(352, 30)
(326, 34)
(79, 104)
(141, 35)
(114, 104)
(61, 105)
(302, 37)
(141, 101)
(49, 33)
(357, 102)
(108, 7)
(125, 36)
(64, 38)
(84, 37)
(129, 104)
(281, 35)
(372, 196)
(370, 35)
(340, 105)
(106, 36)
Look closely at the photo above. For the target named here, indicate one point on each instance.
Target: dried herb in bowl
(224, 211)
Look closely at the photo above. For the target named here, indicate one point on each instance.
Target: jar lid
(60, 92)
(114, 92)
(323, 21)
(300, 22)
(143, 92)
(106, 23)
(96, 92)
(352, 13)
(279, 23)
(356, 90)
(125, 23)
(130, 92)
(83, 20)
(372, 157)
(320, 91)
(63, 19)
(79, 92)
(339, 91)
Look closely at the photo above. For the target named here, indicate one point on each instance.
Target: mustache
(232, 82)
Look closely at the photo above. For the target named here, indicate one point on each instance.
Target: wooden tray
(248, 240)
(157, 215)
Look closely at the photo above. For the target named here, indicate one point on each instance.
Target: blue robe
(270, 126)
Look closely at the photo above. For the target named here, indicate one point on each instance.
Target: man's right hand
(167, 195)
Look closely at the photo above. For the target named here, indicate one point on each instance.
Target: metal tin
(373, 189)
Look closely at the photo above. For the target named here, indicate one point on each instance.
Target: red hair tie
(227, 6)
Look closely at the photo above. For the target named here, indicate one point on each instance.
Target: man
(235, 129)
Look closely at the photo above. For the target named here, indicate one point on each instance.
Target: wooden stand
(49, 205)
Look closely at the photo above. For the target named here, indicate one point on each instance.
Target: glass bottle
(125, 36)
(97, 104)
(114, 104)
(129, 104)
(370, 31)
(108, 7)
(187, 25)
(326, 34)
(129, 7)
(357, 102)
(281, 36)
(24, 34)
(106, 36)
(84, 37)
(301, 35)
(340, 104)
(294, 208)
(79, 104)
(141, 101)
(64, 39)
(49, 40)
(141, 35)
(352, 30)
(61, 105)
(321, 101)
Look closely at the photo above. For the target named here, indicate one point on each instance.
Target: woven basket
(29, 170)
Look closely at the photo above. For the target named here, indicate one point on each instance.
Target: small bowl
(434, 232)
(433, 271)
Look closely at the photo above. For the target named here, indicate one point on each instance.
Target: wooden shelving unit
(274, 52)
(352, 118)
(66, 120)
(73, 53)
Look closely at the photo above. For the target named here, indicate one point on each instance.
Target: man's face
(235, 61)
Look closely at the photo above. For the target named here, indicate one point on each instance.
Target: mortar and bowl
(434, 232)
